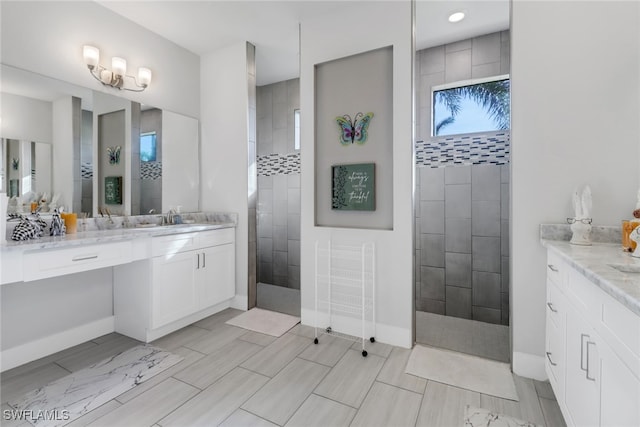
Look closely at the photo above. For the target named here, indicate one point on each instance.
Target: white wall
(224, 146)
(324, 40)
(575, 107)
(25, 118)
(47, 38)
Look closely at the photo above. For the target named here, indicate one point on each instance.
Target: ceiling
(272, 26)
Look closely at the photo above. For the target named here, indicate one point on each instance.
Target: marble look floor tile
(241, 418)
(279, 399)
(23, 369)
(501, 406)
(211, 368)
(529, 404)
(271, 359)
(376, 348)
(328, 351)
(215, 339)
(150, 406)
(189, 357)
(106, 338)
(91, 416)
(180, 337)
(552, 414)
(305, 331)
(318, 411)
(90, 388)
(217, 319)
(393, 372)
(350, 380)
(387, 405)
(257, 338)
(214, 404)
(544, 390)
(444, 405)
(82, 359)
(18, 385)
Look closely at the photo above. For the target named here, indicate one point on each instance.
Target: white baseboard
(240, 302)
(25, 353)
(529, 366)
(386, 334)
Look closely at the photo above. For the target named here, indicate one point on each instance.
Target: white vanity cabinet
(189, 276)
(592, 349)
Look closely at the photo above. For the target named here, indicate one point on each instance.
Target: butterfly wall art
(114, 155)
(354, 130)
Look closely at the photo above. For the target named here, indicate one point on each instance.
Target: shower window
(471, 106)
(148, 147)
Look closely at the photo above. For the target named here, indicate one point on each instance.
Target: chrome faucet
(168, 220)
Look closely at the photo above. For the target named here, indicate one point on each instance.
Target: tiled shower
(278, 167)
(462, 193)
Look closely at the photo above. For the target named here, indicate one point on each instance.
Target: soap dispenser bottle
(628, 226)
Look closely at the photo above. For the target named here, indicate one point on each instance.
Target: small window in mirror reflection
(148, 147)
(296, 129)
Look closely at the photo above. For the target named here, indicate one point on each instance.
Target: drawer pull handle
(587, 370)
(204, 260)
(198, 262)
(553, 268)
(582, 365)
(551, 307)
(84, 257)
(551, 361)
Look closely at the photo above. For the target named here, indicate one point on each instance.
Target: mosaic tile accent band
(150, 170)
(279, 164)
(460, 150)
(86, 170)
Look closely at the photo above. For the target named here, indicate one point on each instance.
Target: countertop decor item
(354, 130)
(581, 222)
(57, 225)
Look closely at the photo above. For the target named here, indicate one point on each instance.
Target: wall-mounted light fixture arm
(116, 76)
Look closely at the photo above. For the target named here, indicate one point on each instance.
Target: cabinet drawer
(583, 294)
(555, 357)
(556, 309)
(216, 237)
(56, 262)
(621, 329)
(556, 269)
(173, 244)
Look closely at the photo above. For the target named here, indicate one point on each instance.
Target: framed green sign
(113, 190)
(354, 187)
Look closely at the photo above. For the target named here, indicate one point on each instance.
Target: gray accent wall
(462, 210)
(278, 204)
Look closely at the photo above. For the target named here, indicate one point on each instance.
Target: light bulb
(118, 66)
(144, 76)
(91, 56)
(456, 17)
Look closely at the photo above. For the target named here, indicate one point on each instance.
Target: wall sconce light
(116, 76)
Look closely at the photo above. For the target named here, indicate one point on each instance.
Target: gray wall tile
(265, 225)
(504, 308)
(505, 172)
(486, 49)
(504, 201)
(485, 218)
(293, 201)
(265, 248)
(457, 202)
(432, 217)
(457, 66)
(432, 250)
(293, 227)
(431, 183)
(293, 252)
(504, 274)
(457, 175)
(486, 289)
(280, 263)
(432, 60)
(293, 180)
(294, 276)
(458, 235)
(280, 280)
(432, 283)
(458, 302)
(488, 315)
(486, 254)
(504, 237)
(430, 306)
(265, 272)
(280, 212)
(265, 200)
(280, 238)
(458, 269)
(459, 45)
(280, 187)
(485, 182)
(485, 70)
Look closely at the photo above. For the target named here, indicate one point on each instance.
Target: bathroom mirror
(26, 167)
(66, 117)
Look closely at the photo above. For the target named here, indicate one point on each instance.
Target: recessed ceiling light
(456, 17)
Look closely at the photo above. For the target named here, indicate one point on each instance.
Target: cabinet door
(173, 288)
(216, 275)
(582, 388)
(620, 401)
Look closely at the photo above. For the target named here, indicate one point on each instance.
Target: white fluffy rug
(265, 321)
(464, 371)
(480, 417)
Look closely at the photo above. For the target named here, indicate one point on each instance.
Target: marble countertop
(594, 262)
(113, 235)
